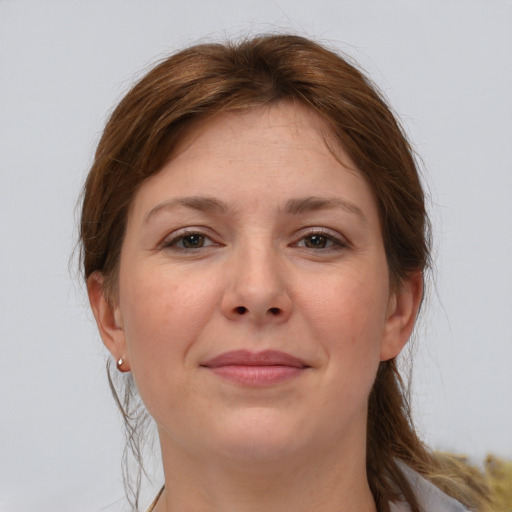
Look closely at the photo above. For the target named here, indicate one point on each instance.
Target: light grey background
(446, 67)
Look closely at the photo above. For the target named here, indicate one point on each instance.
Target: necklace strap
(155, 501)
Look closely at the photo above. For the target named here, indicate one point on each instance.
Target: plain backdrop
(446, 68)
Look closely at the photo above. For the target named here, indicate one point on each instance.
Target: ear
(403, 307)
(108, 318)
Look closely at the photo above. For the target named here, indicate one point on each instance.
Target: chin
(259, 436)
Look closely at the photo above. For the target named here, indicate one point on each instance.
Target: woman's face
(254, 301)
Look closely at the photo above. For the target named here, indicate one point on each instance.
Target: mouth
(256, 369)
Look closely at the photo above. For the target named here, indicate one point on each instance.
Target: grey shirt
(430, 498)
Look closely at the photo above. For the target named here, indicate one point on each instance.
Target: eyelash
(337, 243)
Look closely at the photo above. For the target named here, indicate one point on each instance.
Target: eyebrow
(203, 204)
(310, 204)
(293, 206)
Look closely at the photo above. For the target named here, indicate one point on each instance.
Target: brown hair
(210, 78)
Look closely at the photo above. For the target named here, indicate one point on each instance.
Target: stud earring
(120, 364)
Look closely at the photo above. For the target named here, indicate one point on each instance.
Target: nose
(257, 288)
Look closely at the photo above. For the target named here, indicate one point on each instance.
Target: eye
(317, 242)
(320, 240)
(189, 240)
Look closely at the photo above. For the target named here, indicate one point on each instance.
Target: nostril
(274, 311)
(241, 310)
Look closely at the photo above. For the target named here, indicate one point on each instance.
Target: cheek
(350, 306)
(162, 316)
(347, 316)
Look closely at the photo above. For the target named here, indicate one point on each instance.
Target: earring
(120, 365)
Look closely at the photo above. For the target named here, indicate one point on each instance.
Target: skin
(269, 270)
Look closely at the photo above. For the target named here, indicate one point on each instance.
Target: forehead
(275, 153)
(285, 125)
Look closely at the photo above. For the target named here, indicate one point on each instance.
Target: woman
(254, 241)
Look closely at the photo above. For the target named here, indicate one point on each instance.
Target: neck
(325, 482)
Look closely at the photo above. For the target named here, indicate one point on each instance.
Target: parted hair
(206, 79)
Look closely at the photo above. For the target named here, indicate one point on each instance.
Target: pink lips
(256, 369)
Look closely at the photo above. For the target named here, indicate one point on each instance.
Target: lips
(246, 358)
(257, 369)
